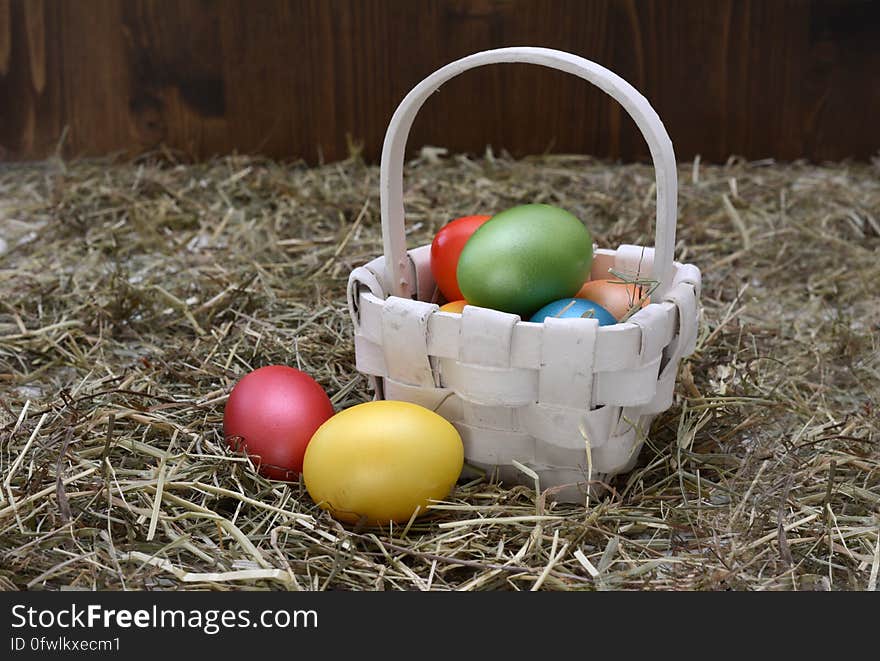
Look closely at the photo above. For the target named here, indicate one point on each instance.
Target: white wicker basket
(569, 399)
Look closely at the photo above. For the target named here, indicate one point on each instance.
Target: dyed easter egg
(523, 257)
(454, 306)
(615, 296)
(446, 249)
(382, 461)
(575, 307)
(271, 415)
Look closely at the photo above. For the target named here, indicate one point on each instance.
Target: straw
(135, 295)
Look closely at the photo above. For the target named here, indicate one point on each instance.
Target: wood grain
(307, 78)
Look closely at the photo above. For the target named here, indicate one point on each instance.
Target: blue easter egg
(575, 307)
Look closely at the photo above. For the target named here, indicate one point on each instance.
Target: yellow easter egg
(382, 461)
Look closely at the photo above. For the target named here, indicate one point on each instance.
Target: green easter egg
(525, 257)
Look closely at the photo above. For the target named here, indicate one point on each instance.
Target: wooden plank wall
(296, 79)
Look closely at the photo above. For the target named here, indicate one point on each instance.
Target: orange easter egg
(615, 296)
(454, 306)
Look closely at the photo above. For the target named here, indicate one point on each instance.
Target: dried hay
(136, 294)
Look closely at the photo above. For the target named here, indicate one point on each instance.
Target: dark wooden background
(758, 78)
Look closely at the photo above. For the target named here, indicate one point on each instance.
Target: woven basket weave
(568, 399)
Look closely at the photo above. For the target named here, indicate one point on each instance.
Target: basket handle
(391, 171)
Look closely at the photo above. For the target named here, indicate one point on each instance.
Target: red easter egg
(271, 415)
(445, 249)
